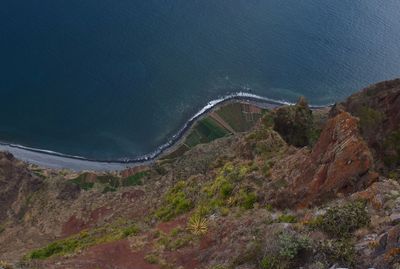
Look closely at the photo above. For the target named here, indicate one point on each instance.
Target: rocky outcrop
(339, 163)
(295, 123)
(16, 184)
(378, 108)
(380, 248)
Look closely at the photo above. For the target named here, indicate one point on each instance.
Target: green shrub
(219, 267)
(393, 175)
(176, 203)
(392, 149)
(269, 207)
(83, 240)
(295, 123)
(132, 230)
(177, 239)
(226, 189)
(152, 259)
(287, 218)
(269, 262)
(247, 199)
(266, 169)
(288, 249)
(290, 245)
(134, 180)
(59, 247)
(315, 223)
(341, 221)
(338, 251)
(369, 118)
(108, 189)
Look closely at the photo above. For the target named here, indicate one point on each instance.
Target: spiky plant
(198, 225)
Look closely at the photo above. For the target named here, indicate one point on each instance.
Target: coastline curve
(42, 157)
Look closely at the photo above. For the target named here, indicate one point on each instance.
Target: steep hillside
(302, 189)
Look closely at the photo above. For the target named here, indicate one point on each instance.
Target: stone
(395, 218)
(326, 172)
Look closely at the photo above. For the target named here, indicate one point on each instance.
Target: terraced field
(224, 121)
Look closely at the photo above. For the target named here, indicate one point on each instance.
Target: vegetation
(177, 239)
(246, 199)
(295, 124)
(206, 130)
(5, 265)
(270, 262)
(110, 183)
(287, 218)
(265, 143)
(84, 240)
(392, 149)
(134, 180)
(219, 195)
(225, 190)
(341, 221)
(369, 119)
(289, 247)
(238, 116)
(152, 259)
(176, 202)
(82, 182)
(109, 180)
(198, 225)
(108, 189)
(338, 251)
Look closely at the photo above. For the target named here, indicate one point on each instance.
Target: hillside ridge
(296, 188)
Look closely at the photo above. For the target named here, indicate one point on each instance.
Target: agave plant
(198, 225)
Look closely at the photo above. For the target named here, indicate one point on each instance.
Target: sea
(115, 80)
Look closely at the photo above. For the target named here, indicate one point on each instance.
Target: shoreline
(55, 160)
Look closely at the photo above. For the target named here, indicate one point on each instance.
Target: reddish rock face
(339, 163)
(75, 225)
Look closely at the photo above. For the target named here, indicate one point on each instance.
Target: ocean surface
(106, 79)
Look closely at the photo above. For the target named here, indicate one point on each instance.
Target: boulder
(339, 163)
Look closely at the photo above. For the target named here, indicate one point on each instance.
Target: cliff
(301, 189)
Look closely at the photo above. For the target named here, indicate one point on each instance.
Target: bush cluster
(289, 247)
(342, 221)
(176, 202)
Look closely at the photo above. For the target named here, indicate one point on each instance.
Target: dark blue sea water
(109, 79)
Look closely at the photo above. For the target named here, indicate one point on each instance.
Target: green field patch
(205, 131)
(238, 116)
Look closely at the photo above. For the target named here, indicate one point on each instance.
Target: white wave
(45, 151)
(175, 138)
